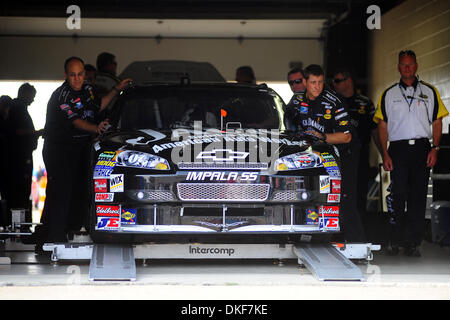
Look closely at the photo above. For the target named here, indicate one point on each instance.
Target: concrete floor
(400, 277)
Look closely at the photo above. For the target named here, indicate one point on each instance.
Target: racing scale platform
(327, 261)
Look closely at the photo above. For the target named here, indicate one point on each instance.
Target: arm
(376, 140)
(437, 134)
(114, 92)
(383, 139)
(338, 137)
(90, 127)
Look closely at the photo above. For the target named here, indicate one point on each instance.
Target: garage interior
(270, 36)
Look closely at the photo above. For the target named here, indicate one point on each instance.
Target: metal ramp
(327, 263)
(117, 261)
(112, 262)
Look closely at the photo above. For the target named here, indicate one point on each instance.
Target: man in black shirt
(320, 112)
(22, 140)
(70, 126)
(361, 110)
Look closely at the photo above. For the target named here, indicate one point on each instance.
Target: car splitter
(327, 261)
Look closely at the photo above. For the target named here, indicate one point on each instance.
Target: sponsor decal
(341, 116)
(116, 183)
(330, 164)
(329, 223)
(335, 186)
(105, 164)
(107, 155)
(108, 211)
(128, 216)
(334, 197)
(362, 110)
(311, 216)
(312, 123)
(221, 176)
(252, 136)
(329, 211)
(304, 110)
(104, 197)
(327, 116)
(222, 155)
(102, 173)
(101, 185)
(343, 123)
(324, 184)
(103, 168)
(107, 223)
(198, 250)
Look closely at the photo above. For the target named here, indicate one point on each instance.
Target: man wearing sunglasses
(320, 112)
(296, 80)
(409, 114)
(361, 110)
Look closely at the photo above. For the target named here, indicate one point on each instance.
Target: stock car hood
(184, 147)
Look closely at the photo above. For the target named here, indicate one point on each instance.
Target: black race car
(210, 163)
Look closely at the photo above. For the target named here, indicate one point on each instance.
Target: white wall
(42, 58)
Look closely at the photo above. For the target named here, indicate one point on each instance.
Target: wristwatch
(435, 147)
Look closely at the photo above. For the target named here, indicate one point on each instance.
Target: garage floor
(35, 277)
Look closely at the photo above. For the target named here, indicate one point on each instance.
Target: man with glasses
(361, 110)
(296, 80)
(320, 112)
(409, 114)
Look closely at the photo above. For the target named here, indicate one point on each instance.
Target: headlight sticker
(297, 161)
(137, 159)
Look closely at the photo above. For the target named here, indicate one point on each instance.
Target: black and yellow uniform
(409, 112)
(66, 158)
(362, 110)
(328, 114)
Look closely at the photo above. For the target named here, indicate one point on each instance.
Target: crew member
(361, 110)
(22, 141)
(245, 74)
(69, 129)
(409, 114)
(296, 80)
(321, 113)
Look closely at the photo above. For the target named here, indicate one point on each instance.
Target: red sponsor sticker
(329, 211)
(101, 185)
(335, 186)
(334, 197)
(108, 211)
(104, 197)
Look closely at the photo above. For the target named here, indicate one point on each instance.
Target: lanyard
(406, 99)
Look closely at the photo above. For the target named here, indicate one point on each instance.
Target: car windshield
(221, 107)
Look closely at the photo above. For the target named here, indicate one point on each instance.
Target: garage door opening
(38, 110)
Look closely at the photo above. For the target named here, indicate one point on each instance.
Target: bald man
(70, 127)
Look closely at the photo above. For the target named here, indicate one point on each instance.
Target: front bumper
(169, 204)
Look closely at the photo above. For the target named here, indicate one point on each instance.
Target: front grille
(236, 192)
(222, 165)
(151, 195)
